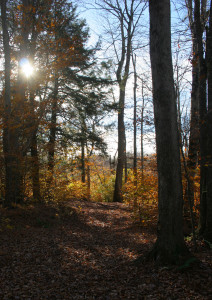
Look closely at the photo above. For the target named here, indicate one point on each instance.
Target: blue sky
(95, 23)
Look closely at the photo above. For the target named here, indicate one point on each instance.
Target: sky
(95, 23)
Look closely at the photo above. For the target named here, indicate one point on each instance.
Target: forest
(105, 149)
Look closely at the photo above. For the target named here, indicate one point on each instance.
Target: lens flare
(26, 67)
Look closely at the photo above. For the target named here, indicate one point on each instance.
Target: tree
(13, 193)
(67, 38)
(52, 37)
(23, 121)
(125, 16)
(135, 131)
(30, 12)
(88, 104)
(199, 15)
(7, 108)
(205, 103)
(34, 119)
(170, 245)
(194, 118)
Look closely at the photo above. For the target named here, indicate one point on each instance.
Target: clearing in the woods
(87, 250)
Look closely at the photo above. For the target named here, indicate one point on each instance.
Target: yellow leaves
(76, 189)
(141, 192)
(9, 226)
(19, 7)
(52, 23)
(79, 208)
(6, 223)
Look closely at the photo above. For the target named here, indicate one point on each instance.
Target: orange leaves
(142, 193)
(146, 189)
(19, 7)
(52, 23)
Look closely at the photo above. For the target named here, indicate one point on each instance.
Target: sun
(26, 67)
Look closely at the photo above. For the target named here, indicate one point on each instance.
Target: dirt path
(88, 255)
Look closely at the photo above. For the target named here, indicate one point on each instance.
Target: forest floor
(86, 250)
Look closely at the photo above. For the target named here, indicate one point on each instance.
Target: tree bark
(35, 169)
(52, 135)
(125, 161)
(34, 126)
(88, 181)
(206, 212)
(170, 246)
(209, 60)
(7, 109)
(127, 15)
(202, 114)
(122, 80)
(194, 115)
(135, 201)
(117, 196)
(135, 118)
(207, 233)
(194, 123)
(83, 161)
(10, 139)
(142, 132)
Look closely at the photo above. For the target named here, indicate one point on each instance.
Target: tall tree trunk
(7, 111)
(170, 245)
(135, 134)
(202, 115)
(34, 126)
(52, 135)
(207, 213)
(209, 61)
(34, 154)
(83, 161)
(207, 126)
(88, 181)
(135, 119)
(35, 169)
(194, 124)
(194, 116)
(122, 80)
(35, 166)
(142, 132)
(177, 95)
(125, 161)
(10, 139)
(20, 103)
(126, 15)
(117, 196)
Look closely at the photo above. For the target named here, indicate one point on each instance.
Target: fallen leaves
(89, 255)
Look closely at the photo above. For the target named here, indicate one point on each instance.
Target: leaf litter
(86, 250)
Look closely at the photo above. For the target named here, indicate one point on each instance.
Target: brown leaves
(89, 255)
